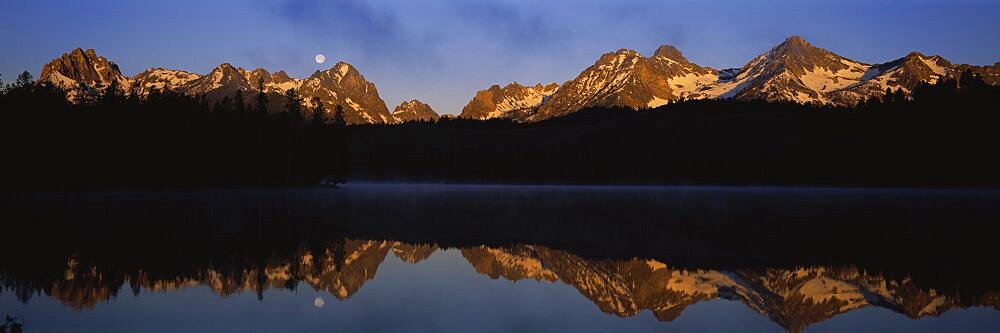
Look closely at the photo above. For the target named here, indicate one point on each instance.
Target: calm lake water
(435, 258)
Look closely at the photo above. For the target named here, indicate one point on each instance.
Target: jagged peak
(794, 45)
(224, 66)
(918, 57)
(410, 104)
(669, 52)
(280, 75)
(620, 52)
(544, 86)
(161, 69)
(627, 52)
(343, 67)
(89, 53)
(796, 40)
(513, 85)
(340, 67)
(81, 65)
(932, 57)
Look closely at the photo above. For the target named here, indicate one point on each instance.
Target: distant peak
(342, 67)
(797, 40)
(79, 52)
(513, 84)
(795, 45)
(543, 86)
(669, 52)
(281, 75)
(626, 51)
(411, 103)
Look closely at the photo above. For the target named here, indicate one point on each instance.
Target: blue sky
(442, 51)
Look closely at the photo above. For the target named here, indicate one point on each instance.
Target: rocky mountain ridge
(414, 110)
(341, 85)
(513, 101)
(793, 71)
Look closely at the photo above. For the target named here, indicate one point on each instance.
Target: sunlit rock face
(629, 79)
(793, 71)
(344, 85)
(161, 79)
(513, 101)
(341, 85)
(83, 69)
(414, 110)
(903, 74)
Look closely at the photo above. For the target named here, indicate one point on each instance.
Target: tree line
(940, 135)
(107, 137)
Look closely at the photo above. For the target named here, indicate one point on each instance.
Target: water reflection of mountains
(795, 256)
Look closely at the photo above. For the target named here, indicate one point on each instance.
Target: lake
(501, 258)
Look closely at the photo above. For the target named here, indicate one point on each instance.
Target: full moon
(320, 58)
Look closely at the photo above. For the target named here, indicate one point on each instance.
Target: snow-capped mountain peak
(341, 85)
(627, 78)
(79, 66)
(161, 79)
(512, 101)
(414, 110)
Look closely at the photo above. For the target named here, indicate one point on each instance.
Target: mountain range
(793, 71)
(340, 85)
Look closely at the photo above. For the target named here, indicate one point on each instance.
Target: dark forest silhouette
(940, 135)
(111, 139)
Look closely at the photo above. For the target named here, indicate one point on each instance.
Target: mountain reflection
(84, 252)
(793, 298)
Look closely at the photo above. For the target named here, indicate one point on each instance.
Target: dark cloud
(513, 25)
(356, 23)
